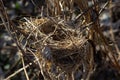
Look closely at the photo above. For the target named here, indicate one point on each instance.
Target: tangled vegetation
(59, 40)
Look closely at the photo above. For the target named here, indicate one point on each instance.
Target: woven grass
(59, 44)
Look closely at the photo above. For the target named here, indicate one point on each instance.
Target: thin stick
(25, 69)
(18, 71)
(40, 65)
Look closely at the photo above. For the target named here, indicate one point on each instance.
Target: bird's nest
(58, 44)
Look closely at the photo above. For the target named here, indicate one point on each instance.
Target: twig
(19, 70)
(25, 69)
(40, 65)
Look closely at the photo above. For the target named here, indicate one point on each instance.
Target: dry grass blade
(113, 39)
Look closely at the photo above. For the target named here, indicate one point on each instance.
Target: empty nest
(58, 44)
